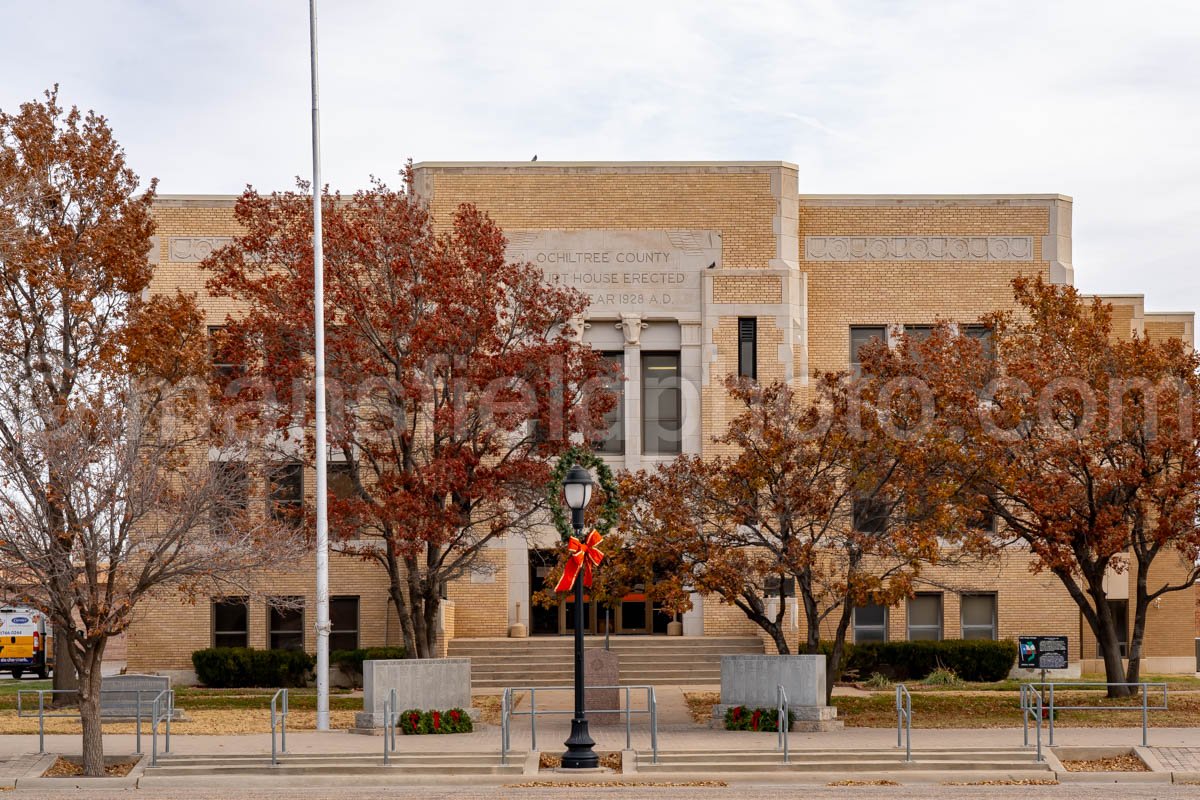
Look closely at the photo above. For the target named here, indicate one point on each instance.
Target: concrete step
(857, 768)
(338, 764)
(841, 756)
(844, 761)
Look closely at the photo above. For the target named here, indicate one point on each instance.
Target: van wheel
(17, 673)
(42, 673)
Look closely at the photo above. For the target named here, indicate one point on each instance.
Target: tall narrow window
(860, 336)
(870, 624)
(613, 440)
(925, 617)
(1120, 613)
(225, 367)
(231, 492)
(231, 622)
(286, 623)
(662, 405)
(979, 616)
(343, 621)
(285, 492)
(748, 348)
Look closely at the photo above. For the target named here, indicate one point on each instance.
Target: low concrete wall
(753, 681)
(429, 683)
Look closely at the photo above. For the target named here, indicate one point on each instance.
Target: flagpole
(319, 359)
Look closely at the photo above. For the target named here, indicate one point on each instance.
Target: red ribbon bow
(583, 555)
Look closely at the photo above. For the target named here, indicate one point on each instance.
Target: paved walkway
(1179, 759)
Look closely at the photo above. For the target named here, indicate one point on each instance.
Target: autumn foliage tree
(102, 501)
(803, 492)
(453, 382)
(1083, 444)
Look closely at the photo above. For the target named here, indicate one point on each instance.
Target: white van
(24, 645)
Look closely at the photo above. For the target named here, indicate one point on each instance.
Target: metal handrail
(163, 710)
(390, 715)
(42, 716)
(279, 721)
(904, 720)
(1045, 694)
(783, 721)
(507, 712)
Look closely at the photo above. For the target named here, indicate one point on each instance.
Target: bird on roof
(534, 157)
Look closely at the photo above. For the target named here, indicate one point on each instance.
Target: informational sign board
(1042, 652)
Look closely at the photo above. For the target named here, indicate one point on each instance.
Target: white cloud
(1092, 99)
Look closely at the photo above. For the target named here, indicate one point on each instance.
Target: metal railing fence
(507, 712)
(24, 710)
(1047, 705)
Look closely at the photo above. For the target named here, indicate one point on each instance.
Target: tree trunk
(1105, 631)
(1141, 606)
(89, 713)
(65, 678)
(836, 663)
(432, 602)
(396, 593)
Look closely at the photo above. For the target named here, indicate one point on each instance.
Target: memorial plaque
(1042, 652)
(623, 271)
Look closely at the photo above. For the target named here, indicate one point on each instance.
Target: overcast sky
(1097, 100)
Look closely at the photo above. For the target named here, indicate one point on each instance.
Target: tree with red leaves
(454, 380)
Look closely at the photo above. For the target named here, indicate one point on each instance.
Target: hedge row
(351, 661)
(416, 722)
(241, 667)
(971, 659)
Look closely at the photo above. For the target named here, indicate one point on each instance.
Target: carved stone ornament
(918, 248)
(632, 326)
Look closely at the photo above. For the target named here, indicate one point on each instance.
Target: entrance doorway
(634, 614)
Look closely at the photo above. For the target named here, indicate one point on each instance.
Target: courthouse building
(696, 270)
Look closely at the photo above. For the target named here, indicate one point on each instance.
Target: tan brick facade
(805, 268)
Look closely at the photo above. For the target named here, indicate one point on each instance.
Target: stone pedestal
(674, 628)
(602, 668)
(426, 684)
(753, 681)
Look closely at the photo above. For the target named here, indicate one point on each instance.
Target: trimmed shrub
(743, 718)
(242, 667)
(417, 722)
(976, 660)
(351, 661)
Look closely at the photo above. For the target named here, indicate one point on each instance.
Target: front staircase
(1007, 762)
(548, 661)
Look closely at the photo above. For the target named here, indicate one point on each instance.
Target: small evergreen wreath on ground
(609, 512)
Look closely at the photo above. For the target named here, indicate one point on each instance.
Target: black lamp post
(577, 491)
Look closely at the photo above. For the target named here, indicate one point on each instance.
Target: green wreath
(611, 510)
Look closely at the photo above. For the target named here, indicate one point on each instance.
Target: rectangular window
(748, 348)
(225, 367)
(613, 441)
(979, 616)
(343, 621)
(773, 585)
(285, 493)
(231, 622)
(925, 617)
(861, 335)
(870, 624)
(662, 404)
(871, 515)
(286, 623)
(982, 334)
(918, 333)
(231, 485)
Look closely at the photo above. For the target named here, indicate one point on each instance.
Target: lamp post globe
(577, 492)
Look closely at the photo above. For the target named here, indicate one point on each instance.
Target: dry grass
(201, 721)
(1002, 710)
(73, 768)
(700, 705)
(1006, 782)
(880, 782)
(1126, 763)
(610, 760)
(489, 706)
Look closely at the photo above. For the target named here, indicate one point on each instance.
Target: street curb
(1114, 777)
